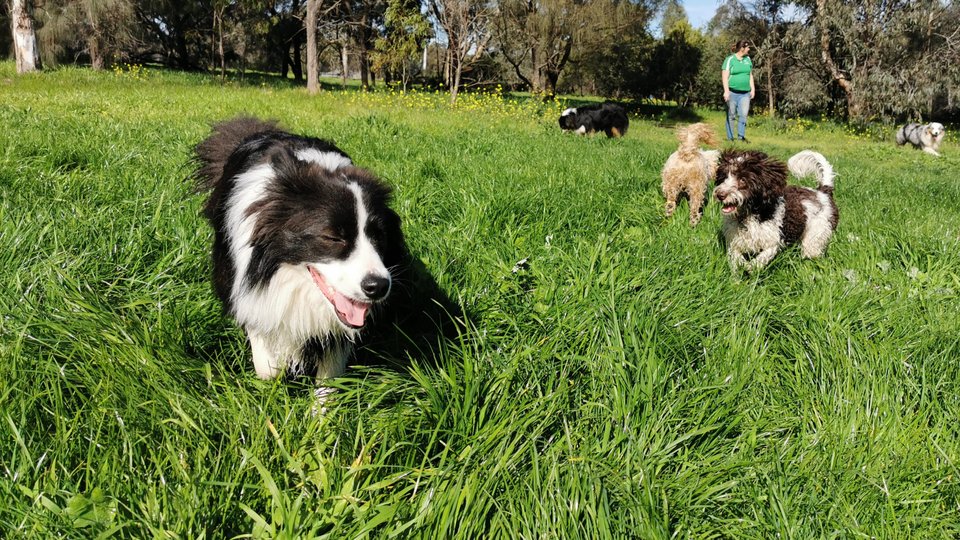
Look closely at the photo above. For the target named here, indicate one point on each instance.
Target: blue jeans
(737, 105)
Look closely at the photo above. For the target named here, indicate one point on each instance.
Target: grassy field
(611, 379)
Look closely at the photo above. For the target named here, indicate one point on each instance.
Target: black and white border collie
(762, 214)
(607, 117)
(305, 244)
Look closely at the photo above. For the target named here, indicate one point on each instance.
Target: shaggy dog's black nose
(375, 287)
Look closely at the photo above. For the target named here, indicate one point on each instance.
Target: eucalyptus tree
(888, 57)
(467, 27)
(673, 15)
(174, 30)
(770, 56)
(286, 35)
(310, 24)
(406, 31)
(536, 38)
(365, 22)
(219, 10)
(24, 36)
(680, 52)
(612, 46)
(102, 29)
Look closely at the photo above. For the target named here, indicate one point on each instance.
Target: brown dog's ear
(768, 179)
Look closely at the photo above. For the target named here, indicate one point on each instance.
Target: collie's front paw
(322, 398)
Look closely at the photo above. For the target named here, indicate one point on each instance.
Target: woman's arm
(725, 77)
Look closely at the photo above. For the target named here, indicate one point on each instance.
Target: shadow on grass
(255, 79)
(664, 115)
(414, 325)
(670, 116)
(420, 318)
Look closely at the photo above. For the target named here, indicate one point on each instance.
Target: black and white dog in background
(305, 246)
(607, 117)
(926, 137)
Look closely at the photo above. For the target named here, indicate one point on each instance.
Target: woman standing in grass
(738, 88)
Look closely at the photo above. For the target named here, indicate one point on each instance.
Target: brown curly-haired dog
(762, 214)
(690, 169)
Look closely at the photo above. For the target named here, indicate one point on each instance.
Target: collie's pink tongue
(350, 312)
(728, 208)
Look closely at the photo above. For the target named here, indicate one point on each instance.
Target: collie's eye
(333, 239)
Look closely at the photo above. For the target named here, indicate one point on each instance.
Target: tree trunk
(223, 55)
(313, 70)
(344, 63)
(448, 67)
(218, 23)
(94, 43)
(184, 60)
(550, 88)
(364, 68)
(455, 84)
(771, 100)
(213, 40)
(853, 109)
(857, 107)
(537, 77)
(96, 52)
(295, 63)
(24, 37)
(553, 73)
(362, 41)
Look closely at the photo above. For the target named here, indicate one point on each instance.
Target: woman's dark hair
(741, 44)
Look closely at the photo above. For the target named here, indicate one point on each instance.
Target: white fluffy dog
(926, 137)
(689, 170)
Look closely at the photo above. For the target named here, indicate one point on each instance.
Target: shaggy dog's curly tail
(695, 134)
(809, 162)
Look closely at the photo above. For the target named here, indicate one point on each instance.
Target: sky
(699, 12)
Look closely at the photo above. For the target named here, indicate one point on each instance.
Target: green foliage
(611, 378)
(406, 32)
(611, 48)
(674, 65)
(100, 30)
(888, 60)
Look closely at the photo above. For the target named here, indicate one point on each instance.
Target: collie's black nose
(375, 287)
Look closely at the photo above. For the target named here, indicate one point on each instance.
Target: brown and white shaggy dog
(690, 169)
(762, 214)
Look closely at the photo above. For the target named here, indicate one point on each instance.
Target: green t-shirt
(739, 72)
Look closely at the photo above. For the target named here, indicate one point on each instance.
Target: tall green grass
(619, 382)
